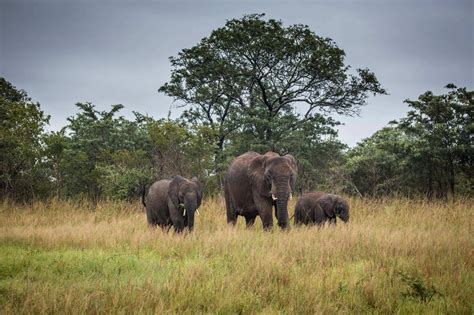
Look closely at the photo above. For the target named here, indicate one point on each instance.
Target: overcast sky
(111, 52)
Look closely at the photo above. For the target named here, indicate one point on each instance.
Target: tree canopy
(255, 76)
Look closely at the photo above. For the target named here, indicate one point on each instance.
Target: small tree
(101, 147)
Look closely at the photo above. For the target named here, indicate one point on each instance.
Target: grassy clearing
(396, 256)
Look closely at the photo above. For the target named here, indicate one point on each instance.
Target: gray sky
(110, 52)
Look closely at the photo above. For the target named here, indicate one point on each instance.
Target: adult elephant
(319, 207)
(173, 202)
(256, 183)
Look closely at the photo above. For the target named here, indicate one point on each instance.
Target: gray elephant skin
(173, 203)
(255, 184)
(319, 208)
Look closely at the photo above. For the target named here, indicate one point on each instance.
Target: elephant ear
(294, 166)
(256, 173)
(173, 190)
(198, 190)
(326, 203)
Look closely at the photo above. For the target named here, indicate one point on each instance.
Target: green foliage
(124, 178)
(317, 149)
(443, 126)
(55, 145)
(105, 153)
(417, 288)
(182, 149)
(377, 164)
(428, 152)
(21, 126)
(263, 80)
(122, 183)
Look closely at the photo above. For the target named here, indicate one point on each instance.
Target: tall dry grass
(395, 256)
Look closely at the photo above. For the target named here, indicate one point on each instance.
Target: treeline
(253, 84)
(100, 154)
(429, 152)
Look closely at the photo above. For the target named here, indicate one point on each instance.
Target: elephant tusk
(291, 196)
(273, 197)
(197, 211)
(184, 212)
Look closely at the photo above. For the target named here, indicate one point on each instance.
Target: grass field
(395, 256)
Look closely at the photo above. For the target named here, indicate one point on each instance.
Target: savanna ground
(395, 256)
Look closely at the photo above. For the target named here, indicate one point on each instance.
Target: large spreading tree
(252, 73)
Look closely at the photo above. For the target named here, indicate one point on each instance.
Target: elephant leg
(250, 219)
(166, 227)
(267, 220)
(177, 217)
(297, 218)
(265, 210)
(231, 216)
(150, 218)
(230, 210)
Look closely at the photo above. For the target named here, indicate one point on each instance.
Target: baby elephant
(319, 207)
(173, 202)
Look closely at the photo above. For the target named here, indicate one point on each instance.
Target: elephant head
(334, 205)
(186, 196)
(274, 177)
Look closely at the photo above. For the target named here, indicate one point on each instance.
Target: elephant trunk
(345, 219)
(190, 207)
(282, 213)
(282, 195)
(190, 222)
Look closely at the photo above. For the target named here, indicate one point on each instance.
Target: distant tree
(100, 147)
(21, 129)
(254, 75)
(11, 93)
(180, 149)
(429, 152)
(378, 164)
(444, 127)
(319, 151)
(56, 143)
(123, 178)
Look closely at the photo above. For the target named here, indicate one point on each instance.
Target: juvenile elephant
(173, 202)
(256, 183)
(319, 207)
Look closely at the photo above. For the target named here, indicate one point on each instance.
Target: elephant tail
(144, 195)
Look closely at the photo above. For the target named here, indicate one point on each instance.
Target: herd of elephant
(254, 185)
